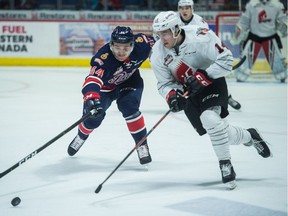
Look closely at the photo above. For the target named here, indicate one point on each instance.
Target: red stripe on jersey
(107, 88)
(93, 79)
(136, 125)
(145, 38)
(84, 130)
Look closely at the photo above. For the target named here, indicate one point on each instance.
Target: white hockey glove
(282, 28)
(238, 36)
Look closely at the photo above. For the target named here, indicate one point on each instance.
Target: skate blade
(231, 185)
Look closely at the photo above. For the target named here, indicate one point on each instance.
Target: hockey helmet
(182, 3)
(167, 20)
(122, 34)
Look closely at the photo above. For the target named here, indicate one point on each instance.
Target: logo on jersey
(136, 63)
(139, 40)
(183, 71)
(118, 71)
(262, 17)
(99, 61)
(168, 59)
(189, 53)
(104, 56)
(202, 31)
(120, 77)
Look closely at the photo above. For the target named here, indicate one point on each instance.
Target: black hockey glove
(94, 104)
(176, 101)
(195, 84)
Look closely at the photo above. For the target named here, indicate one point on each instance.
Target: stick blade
(239, 63)
(98, 189)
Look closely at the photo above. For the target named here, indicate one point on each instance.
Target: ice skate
(233, 103)
(257, 141)
(143, 154)
(75, 145)
(228, 174)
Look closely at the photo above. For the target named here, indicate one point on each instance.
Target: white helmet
(167, 20)
(182, 3)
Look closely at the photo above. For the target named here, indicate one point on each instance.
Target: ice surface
(184, 178)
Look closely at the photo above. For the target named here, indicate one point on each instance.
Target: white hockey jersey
(262, 19)
(201, 49)
(196, 20)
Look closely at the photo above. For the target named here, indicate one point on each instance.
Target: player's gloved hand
(94, 104)
(195, 84)
(176, 101)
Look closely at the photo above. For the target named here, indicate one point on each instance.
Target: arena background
(71, 37)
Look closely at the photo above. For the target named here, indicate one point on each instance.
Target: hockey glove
(176, 101)
(94, 104)
(195, 84)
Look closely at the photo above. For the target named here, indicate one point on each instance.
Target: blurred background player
(114, 75)
(256, 29)
(188, 17)
(192, 59)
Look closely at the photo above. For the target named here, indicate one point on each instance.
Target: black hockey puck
(16, 201)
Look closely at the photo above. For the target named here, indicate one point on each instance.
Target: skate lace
(143, 151)
(78, 142)
(258, 145)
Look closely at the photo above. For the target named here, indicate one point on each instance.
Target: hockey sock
(136, 126)
(217, 131)
(83, 131)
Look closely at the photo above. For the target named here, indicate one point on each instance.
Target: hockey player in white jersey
(191, 59)
(188, 17)
(256, 29)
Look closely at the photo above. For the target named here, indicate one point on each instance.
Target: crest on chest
(182, 71)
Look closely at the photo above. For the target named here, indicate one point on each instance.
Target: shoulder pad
(277, 4)
(253, 3)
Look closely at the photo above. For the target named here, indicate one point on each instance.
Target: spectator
(115, 5)
(4, 4)
(97, 5)
(27, 5)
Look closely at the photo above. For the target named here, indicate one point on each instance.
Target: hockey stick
(135, 147)
(242, 60)
(32, 154)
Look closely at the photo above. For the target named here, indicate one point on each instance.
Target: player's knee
(128, 105)
(94, 122)
(210, 119)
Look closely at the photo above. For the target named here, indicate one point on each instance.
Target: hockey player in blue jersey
(114, 75)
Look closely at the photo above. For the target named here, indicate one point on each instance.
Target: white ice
(37, 104)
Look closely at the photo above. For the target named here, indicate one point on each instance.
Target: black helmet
(122, 34)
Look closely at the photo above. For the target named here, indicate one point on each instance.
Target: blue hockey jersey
(107, 72)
